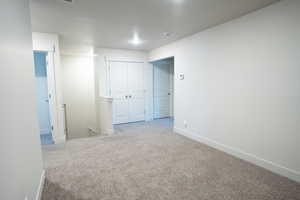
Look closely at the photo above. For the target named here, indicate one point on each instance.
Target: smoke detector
(167, 34)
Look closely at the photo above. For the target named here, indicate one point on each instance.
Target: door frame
(45, 42)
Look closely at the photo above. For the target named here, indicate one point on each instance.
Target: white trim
(59, 140)
(107, 131)
(276, 168)
(125, 59)
(41, 186)
(105, 99)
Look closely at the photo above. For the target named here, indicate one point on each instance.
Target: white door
(119, 92)
(52, 94)
(127, 91)
(135, 75)
(162, 91)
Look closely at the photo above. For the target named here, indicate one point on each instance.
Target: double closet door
(127, 91)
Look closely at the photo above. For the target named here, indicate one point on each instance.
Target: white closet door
(162, 91)
(135, 74)
(118, 84)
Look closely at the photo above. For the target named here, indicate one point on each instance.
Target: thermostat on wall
(181, 76)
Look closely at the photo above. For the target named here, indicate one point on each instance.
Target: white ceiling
(112, 23)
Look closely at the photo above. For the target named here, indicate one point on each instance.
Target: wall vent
(68, 1)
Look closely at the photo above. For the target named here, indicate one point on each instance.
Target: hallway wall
(20, 150)
(79, 93)
(241, 88)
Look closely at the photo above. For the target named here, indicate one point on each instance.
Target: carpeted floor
(147, 161)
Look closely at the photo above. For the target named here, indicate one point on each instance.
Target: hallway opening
(43, 96)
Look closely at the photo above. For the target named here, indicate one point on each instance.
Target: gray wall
(20, 151)
(78, 78)
(242, 84)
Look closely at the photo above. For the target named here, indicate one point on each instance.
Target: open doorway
(163, 87)
(43, 96)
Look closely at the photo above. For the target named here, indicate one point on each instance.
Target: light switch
(181, 76)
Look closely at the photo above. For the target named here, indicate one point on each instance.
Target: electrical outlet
(185, 124)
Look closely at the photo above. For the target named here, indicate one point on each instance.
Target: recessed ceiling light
(136, 40)
(178, 1)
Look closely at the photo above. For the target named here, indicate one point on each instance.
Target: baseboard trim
(107, 131)
(59, 140)
(41, 186)
(276, 168)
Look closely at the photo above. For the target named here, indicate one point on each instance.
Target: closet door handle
(129, 96)
(126, 96)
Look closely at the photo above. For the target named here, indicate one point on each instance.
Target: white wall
(242, 83)
(20, 150)
(79, 93)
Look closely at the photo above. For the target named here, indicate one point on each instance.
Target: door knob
(129, 96)
(126, 96)
(169, 93)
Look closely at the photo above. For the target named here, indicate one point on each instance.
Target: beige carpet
(146, 161)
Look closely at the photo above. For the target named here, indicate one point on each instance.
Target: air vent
(68, 1)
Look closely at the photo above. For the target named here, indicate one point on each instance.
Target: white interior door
(136, 91)
(52, 93)
(119, 92)
(162, 91)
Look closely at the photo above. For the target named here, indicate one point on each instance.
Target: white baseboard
(41, 186)
(107, 131)
(59, 140)
(276, 168)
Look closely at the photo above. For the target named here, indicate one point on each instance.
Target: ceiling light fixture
(178, 2)
(136, 40)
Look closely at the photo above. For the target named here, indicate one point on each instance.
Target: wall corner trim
(41, 186)
(271, 166)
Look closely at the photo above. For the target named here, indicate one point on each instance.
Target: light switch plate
(181, 76)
